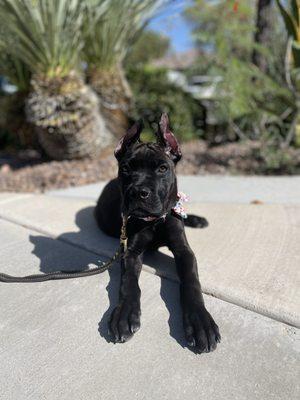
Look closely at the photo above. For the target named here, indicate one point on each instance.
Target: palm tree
(106, 45)
(290, 12)
(46, 36)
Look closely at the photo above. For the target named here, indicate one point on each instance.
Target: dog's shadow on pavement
(67, 252)
(55, 256)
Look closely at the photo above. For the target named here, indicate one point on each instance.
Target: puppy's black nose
(144, 193)
(139, 192)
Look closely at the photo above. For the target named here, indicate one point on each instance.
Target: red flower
(236, 6)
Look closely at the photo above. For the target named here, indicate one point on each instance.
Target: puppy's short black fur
(146, 191)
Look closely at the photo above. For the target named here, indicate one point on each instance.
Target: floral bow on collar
(179, 207)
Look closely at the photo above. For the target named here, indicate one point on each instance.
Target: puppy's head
(147, 171)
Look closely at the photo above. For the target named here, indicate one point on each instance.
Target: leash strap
(5, 278)
(59, 274)
(73, 274)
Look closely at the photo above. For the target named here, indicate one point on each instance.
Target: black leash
(59, 274)
(73, 274)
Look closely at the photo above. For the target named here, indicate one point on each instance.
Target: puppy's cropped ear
(166, 139)
(131, 136)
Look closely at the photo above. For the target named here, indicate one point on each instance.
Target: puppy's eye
(162, 168)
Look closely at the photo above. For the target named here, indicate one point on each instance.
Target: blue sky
(170, 23)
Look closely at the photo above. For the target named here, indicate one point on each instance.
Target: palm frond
(11, 66)
(15, 70)
(109, 37)
(44, 34)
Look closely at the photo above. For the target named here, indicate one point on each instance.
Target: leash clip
(123, 237)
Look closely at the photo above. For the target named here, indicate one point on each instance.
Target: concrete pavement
(54, 342)
(218, 189)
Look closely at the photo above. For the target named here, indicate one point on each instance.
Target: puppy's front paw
(201, 331)
(124, 321)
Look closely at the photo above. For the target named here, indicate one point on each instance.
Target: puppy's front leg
(125, 319)
(201, 331)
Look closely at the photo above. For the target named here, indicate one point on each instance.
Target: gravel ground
(27, 172)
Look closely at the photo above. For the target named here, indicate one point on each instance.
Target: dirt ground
(28, 172)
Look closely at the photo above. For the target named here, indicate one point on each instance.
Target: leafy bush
(276, 160)
(154, 94)
(251, 100)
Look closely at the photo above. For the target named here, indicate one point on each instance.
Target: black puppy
(146, 193)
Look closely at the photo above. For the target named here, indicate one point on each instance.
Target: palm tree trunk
(65, 114)
(115, 98)
(263, 32)
(14, 121)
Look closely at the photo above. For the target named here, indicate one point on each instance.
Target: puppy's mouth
(144, 214)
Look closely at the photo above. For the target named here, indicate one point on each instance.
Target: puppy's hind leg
(194, 221)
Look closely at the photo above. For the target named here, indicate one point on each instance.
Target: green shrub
(277, 160)
(154, 94)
